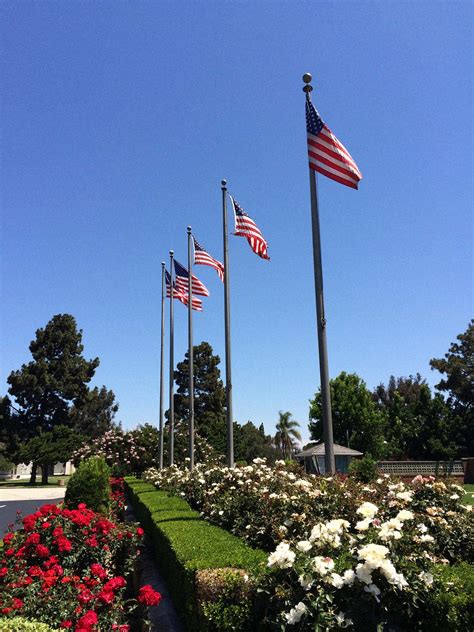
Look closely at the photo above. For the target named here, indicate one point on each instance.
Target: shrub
(67, 568)
(19, 624)
(185, 546)
(90, 485)
(451, 603)
(364, 470)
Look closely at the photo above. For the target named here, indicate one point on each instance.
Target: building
(313, 458)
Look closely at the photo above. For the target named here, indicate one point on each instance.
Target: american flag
(180, 295)
(246, 227)
(204, 258)
(182, 281)
(326, 154)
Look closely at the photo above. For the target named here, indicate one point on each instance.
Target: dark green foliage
(458, 367)
(251, 442)
(90, 485)
(451, 603)
(51, 447)
(209, 396)
(56, 377)
(418, 425)
(354, 414)
(184, 543)
(93, 413)
(364, 470)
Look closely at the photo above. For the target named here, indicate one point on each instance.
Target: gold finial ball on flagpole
(307, 78)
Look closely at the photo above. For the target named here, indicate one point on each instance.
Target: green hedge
(451, 606)
(19, 624)
(184, 543)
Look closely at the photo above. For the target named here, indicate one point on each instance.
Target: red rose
(10, 552)
(88, 620)
(33, 538)
(64, 544)
(42, 551)
(3, 571)
(17, 603)
(34, 571)
(114, 583)
(8, 538)
(66, 624)
(98, 570)
(57, 532)
(45, 525)
(6, 610)
(106, 596)
(140, 531)
(148, 597)
(85, 596)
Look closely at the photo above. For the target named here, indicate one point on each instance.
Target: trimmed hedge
(19, 624)
(184, 543)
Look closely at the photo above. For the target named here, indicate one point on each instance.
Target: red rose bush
(67, 568)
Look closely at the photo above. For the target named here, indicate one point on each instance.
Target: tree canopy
(52, 390)
(458, 368)
(209, 396)
(354, 413)
(286, 434)
(418, 425)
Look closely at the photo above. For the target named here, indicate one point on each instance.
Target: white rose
(367, 510)
(304, 546)
(295, 614)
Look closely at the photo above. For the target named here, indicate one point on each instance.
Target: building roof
(318, 450)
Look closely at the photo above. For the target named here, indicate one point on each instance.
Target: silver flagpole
(190, 354)
(171, 419)
(162, 358)
(228, 371)
(321, 318)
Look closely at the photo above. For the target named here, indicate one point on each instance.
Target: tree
(251, 442)
(57, 377)
(50, 447)
(355, 415)
(93, 414)
(209, 396)
(286, 433)
(458, 367)
(417, 425)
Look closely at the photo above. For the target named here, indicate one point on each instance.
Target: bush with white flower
(342, 554)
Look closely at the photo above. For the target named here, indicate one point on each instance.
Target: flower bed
(68, 568)
(342, 554)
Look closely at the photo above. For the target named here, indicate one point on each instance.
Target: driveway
(25, 500)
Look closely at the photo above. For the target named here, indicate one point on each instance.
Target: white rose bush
(341, 554)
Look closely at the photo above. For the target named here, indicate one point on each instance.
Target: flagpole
(321, 318)
(228, 383)
(162, 359)
(171, 419)
(190, 353)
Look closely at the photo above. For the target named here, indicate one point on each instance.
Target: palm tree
(286, 433)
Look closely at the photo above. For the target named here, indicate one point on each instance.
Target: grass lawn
(52, 482)
(469, 494)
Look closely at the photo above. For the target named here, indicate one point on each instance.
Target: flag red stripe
(328, 174)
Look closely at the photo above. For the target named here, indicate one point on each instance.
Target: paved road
(8, 509)
(24, 500)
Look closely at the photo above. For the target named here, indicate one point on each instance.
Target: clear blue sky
(121, 118)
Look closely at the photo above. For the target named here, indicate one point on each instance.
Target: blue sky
(119, 121)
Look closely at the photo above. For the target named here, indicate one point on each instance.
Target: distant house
(313, 458)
